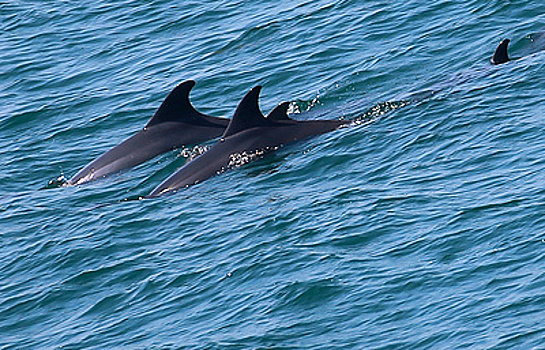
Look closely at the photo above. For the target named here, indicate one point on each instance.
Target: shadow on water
(529, 45)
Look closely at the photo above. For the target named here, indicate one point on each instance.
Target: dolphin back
(175, 124)
(249, 136)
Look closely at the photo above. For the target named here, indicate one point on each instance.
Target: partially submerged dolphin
(529, 45)
(175, 124)
(248, 136)
(500, 55)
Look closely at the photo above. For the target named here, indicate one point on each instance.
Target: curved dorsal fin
(177, 108)
(501, 55)
(279, 112)
(247, 115)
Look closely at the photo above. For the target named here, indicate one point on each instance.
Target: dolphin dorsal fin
(177, 108)
(501, 55)
(247, 115)
(279, 112)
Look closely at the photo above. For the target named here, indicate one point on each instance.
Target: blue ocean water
(420, 228)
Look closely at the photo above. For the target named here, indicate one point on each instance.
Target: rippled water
(421, 228)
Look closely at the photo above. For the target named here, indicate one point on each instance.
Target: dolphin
(248, 136)
(500, 55)
(529, 45)
(175, 124)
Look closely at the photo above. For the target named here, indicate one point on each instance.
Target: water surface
(422, 229)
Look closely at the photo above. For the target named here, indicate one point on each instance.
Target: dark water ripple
(419, 227)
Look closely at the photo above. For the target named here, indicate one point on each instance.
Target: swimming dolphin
(175, 124)
(501, 55)
(248, 136)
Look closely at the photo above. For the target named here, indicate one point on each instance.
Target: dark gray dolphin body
(175, 124)
(248, 135)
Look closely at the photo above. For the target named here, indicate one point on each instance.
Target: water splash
(194, 152)
(300, 106)
(239, 159)
(381, 109)
(57, 182)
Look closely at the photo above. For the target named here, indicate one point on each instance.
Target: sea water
(420, 227)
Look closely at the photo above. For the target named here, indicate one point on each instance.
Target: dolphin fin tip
(187, 83)
(177, 106)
